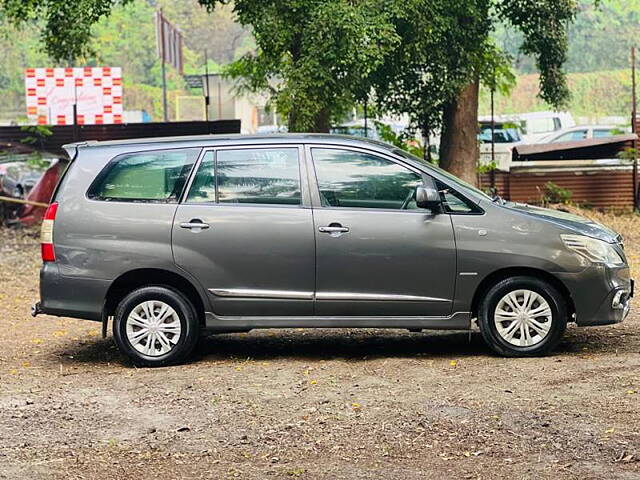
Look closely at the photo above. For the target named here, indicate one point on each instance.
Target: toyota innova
(171, 237)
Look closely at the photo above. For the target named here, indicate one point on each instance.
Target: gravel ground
(311, 404)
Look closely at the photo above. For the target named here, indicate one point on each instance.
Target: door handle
(195, 224)
(335, 229)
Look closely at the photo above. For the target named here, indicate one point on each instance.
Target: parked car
(172, 237)
(505, 136)
(582, 132)
(535, 125)
(17, 178)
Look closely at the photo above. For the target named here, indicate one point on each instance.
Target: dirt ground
(311, 404)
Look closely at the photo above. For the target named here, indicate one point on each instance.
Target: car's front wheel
(156, 326)
(522, 316)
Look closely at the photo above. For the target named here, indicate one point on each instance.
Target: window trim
(99, 177)
(305, 201)
(315, 188)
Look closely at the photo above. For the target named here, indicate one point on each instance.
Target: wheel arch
(133, 279)
(499, 275)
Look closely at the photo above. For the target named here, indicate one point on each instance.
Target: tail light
(46, 233)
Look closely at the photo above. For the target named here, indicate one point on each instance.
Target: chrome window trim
(260, 293)
(376, 297)
(336, 296)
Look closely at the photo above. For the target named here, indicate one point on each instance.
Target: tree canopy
(319, 58)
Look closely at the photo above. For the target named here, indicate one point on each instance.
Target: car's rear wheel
(156, 326)
(522, 316)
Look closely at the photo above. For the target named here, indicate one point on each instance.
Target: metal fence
(597, 186)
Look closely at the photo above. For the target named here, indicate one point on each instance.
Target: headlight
(593, 249)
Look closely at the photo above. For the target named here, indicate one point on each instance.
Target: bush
(556, 194)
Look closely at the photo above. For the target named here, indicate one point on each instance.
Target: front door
(245, 231)
(377, 253)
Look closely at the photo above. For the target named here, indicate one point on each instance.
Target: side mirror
(427, 195)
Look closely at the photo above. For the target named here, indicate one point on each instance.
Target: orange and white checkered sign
(51, 93)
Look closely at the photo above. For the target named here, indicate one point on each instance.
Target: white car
(505, 137)
(582, 132)
(536, 125)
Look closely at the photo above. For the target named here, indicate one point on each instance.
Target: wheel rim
(523, 318)
(153, 328)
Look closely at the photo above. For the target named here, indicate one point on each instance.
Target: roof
(214, 139)
(591, 148)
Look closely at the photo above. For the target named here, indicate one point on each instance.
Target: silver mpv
(173, 237)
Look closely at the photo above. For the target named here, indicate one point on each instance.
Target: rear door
(377, 253)
(245, 230)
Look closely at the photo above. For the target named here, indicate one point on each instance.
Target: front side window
(360, 180)
(252, 175)
(156, 176)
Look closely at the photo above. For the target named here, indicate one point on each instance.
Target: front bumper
(601, 294)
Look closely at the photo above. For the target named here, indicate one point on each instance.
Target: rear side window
(253, 175)
(156, 176)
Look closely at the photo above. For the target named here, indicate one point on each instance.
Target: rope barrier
(23, 202)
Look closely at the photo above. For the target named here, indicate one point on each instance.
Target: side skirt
(457, 321)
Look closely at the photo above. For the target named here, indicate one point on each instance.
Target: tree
(446, 50)
(315, 57)
(319, 57)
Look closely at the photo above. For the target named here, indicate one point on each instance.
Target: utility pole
(634, 127)
(206, 92)
(366, 125)
(164, 69)
(492, 172)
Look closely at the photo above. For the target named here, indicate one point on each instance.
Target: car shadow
(354, 345)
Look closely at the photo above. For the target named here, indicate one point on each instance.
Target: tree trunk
(322, 122)
(459, 141)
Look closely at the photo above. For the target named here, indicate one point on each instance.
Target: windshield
(454, 180)
(500, 135)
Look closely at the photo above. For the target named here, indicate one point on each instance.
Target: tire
(138, 319)
(524, 336)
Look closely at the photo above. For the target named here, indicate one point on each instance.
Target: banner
(52, 92)
(168, 42)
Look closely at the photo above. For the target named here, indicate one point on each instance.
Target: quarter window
(360, 180)
(156, 176)
(258, 175)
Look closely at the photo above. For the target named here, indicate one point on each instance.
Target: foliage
(456, 36)
(65, 25)
(404, 141)
(600, 37)
(594, 94)
(543, 25)
(555, 194)
(436, 57)
(314, 57)
(629, 154)
(126, 38)
(487, 167)
(38, 133)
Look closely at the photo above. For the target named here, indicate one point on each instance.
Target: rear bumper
(64, 296)
(601, 294)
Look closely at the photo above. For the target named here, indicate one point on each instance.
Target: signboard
(52, 92)
(169, 42)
